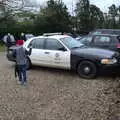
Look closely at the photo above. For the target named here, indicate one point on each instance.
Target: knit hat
(20, 42)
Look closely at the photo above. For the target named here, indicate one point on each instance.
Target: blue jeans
(22, 73)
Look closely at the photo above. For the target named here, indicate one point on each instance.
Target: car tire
(87, 69)
(28, 64)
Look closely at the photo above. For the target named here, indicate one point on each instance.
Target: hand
(30, 47)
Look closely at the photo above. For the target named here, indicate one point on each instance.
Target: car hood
(97, 52)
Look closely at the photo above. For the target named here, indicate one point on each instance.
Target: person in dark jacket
(21, 60)
(22, 37)
(9, 40)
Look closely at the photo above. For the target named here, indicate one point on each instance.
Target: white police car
(62, 51)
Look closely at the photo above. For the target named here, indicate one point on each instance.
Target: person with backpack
(9, 40)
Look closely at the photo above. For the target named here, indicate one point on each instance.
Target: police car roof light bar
(50, 34)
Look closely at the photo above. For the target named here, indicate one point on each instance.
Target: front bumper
(110, 68)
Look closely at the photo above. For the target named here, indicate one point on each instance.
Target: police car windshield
(71, 43)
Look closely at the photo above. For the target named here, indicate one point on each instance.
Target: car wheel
(28, 64)
(87, 69)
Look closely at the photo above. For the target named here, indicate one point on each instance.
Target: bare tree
(9, 8)
(12, 4)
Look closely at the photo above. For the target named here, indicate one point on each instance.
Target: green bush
(1, 43)
(2, 48)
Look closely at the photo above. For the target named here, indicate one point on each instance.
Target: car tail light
(118, 45)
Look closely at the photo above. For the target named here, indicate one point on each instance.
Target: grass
(2, 48)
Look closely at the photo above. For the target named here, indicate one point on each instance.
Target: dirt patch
(57, 95)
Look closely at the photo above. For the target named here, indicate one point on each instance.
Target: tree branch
(12, 4)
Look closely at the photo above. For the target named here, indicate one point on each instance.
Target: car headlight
(109, 61)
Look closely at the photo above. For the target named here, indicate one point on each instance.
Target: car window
(96, 32)
(86, 40)
(71, 42)
(37, 43)
(102, 39)
(53, 44)
(106, 32)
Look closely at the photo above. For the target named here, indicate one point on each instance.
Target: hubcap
(87, 70)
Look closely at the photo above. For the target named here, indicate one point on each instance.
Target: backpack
(8, 39)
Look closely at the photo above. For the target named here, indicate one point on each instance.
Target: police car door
(56, 54)
(37, 56)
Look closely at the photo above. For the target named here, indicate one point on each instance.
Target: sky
(102, 4)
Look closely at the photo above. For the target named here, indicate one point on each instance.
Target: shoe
(18, 82)
(24, 84)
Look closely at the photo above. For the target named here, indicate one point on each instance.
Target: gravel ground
(57, 95)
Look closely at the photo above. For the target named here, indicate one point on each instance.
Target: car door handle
(47, 52)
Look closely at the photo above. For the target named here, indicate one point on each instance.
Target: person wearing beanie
(20, 42)
(20, 55)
